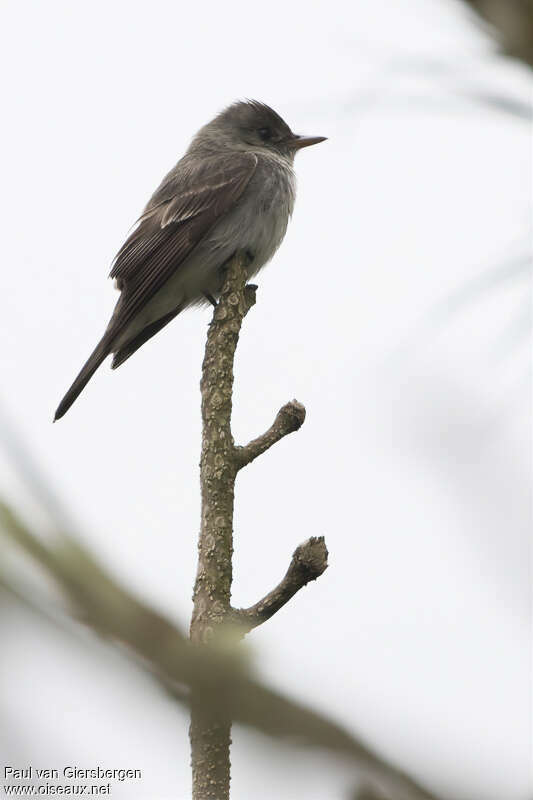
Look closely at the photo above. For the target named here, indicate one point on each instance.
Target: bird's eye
(265, 134)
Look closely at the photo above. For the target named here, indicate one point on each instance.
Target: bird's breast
(257, 224)
(259, 221)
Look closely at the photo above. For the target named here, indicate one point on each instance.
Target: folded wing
(181, 212)
(190, 200)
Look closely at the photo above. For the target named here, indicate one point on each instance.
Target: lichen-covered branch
(309, 560)
(210, 733)
(220, 461)
(217, 464)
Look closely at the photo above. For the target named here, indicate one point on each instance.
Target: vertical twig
(210, 735)
(220, 462)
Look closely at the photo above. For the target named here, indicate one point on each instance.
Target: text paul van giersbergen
(29, 773)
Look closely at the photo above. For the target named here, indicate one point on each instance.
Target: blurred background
(397, 310)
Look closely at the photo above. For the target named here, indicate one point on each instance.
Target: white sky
(413, 460)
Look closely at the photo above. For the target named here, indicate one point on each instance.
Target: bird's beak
(297, 142)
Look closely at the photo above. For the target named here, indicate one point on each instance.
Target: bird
(232, 191)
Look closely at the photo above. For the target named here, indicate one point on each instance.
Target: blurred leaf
(512, 24)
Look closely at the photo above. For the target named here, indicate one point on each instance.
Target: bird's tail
(100, 352)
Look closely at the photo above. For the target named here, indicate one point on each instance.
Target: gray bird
(233, 190)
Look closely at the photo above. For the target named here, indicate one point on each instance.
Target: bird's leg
(211, 299)
(249, 257)
(249, 261)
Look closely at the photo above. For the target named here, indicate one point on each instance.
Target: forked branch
(309, 560)
(220, 462)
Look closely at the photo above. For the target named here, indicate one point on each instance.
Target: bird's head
(249, 125)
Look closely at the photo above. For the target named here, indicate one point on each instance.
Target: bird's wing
(181, 212)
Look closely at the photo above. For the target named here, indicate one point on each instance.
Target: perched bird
(233, 190)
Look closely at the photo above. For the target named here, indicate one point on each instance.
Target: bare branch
(289, 418)
(217, 470)
(218, 676)
(209, 732)
(309, 560)
(220, 461)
